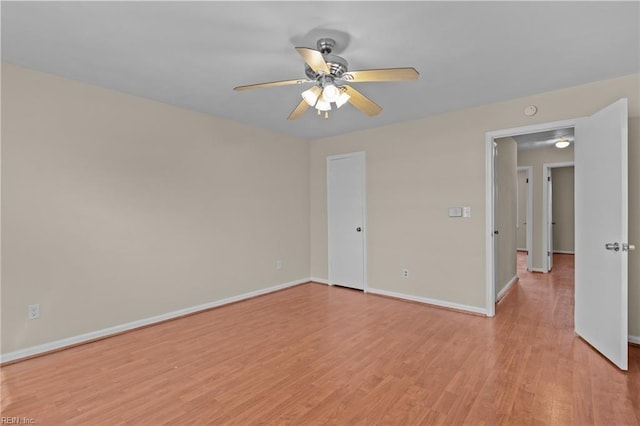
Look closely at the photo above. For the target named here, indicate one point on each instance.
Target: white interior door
(601, 226)
(549, 220)
(346, 224)
(496, 220)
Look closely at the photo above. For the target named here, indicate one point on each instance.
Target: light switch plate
(455, 211)
(466, 212)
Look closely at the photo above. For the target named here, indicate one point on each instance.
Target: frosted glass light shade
(311, 96)
(323, 104)
(331, 93)
(342, 99)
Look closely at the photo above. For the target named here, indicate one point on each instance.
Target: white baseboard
(428, 301)
(538, 270)
(563, 252)
(106, 332)
(506, 288)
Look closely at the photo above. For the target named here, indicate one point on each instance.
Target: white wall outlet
(466, 212)
(33, 311)
(279, 264)
(405, 273)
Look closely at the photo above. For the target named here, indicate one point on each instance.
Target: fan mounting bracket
(337, 65)
(325, 45)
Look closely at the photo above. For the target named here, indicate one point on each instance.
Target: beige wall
(563, 209)
(521, 239)
(505, 212)
(536, 158)
(415, 170)
(116, 208)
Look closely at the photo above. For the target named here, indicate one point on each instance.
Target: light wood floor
(316, 354)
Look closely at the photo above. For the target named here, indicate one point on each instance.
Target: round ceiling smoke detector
(530, 110)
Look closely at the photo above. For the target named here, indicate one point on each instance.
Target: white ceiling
(192, 54)
(544, 139)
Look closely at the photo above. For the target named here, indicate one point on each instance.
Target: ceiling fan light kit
(330, 92)
(329, 73)
(311, 95)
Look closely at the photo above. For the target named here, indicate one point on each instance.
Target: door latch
(628, 247)
(612, 246)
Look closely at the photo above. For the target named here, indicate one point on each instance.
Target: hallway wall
(536, 158)
(563, 209)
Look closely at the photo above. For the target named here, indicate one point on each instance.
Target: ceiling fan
(329, 75)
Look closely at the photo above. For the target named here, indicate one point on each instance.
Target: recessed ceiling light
(563, 143)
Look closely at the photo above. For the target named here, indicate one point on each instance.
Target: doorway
(601, 226)
(491, 196)
(518, 190)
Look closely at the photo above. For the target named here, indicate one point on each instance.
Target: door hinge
(548, 253)
(527, 180)
(548, 178)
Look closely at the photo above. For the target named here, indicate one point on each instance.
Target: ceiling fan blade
(314, 59)
(299, 110)
(271, 84)
(361, 102)
(389, 74)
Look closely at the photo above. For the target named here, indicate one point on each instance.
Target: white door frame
(360, 154)
(546, 168)
(529, 214)
(489, 196)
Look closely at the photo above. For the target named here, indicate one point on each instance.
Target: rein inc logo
(17, 420)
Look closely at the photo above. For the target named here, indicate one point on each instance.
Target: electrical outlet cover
(33, 311)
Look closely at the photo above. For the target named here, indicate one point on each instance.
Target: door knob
(612, 246)
(358, 229)
(628, 247)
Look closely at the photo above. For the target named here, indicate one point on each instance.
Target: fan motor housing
(337, 66)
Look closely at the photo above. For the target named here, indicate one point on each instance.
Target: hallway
(578, 384)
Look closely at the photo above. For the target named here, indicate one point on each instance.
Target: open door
(549, 221)
(601, 210)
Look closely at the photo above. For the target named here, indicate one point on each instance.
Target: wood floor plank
(315, 354)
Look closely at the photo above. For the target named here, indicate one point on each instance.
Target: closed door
(601, 232)
(346, 224)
